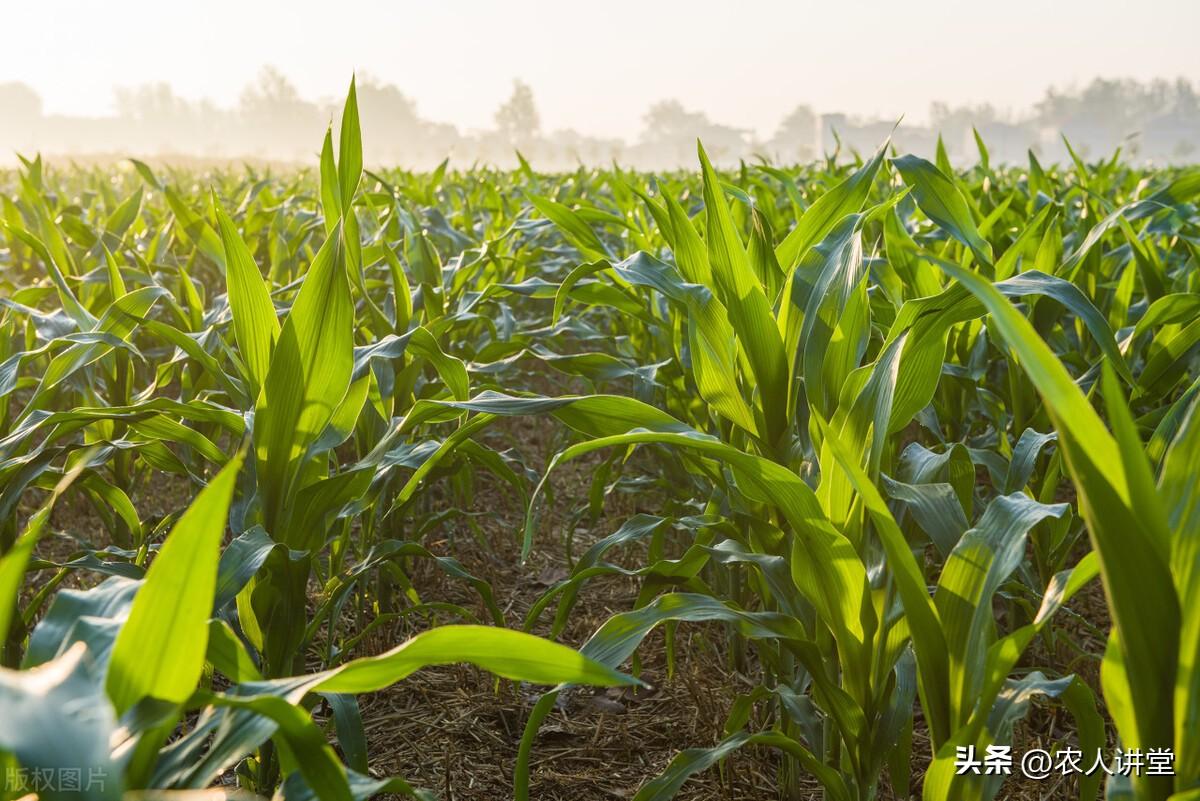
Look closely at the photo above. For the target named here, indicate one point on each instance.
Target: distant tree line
(1157, 121)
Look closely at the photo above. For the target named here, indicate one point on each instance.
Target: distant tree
(954, 125)
(572, 148)
(276, 119)
(158, 120)
(272, 94)
(20, 116)
(1185, 99)
(383, 104)
(517, 118)
(20, 102)
(796, 137)
(1172, 133)
(152, 101)
(1098, 118)
(667, 121)
(392, 128)
(671, 132)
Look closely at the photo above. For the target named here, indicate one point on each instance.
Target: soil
(455, 730)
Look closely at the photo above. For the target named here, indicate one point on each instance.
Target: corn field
(910, 450)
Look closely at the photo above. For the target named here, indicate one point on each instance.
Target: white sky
(597, 66)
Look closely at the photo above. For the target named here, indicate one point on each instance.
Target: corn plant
(882, 419)
(738, 303)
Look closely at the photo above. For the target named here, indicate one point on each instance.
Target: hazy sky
(597, 66)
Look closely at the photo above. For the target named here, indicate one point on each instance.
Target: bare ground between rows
(456, 730)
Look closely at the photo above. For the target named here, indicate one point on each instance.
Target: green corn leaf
(195, 229)
(1124, 528)
(573, 226)
(929, 640)
(749, 310)
(331, 193)
(350, 150)
(942, 202)
(310, 372)
(160, 651)
(694, 760)
(982, 560)
(58, 719)
(255, 326)
(14, 562)
(827, 211)
(510, 654)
